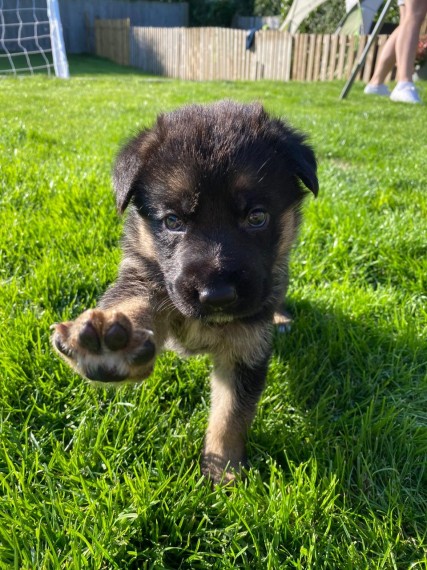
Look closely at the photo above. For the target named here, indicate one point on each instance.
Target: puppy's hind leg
(282, 319)
(235, 390)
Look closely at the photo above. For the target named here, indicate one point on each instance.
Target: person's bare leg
(387, 59)
(406, 47)
(385, 63)
(407, 39)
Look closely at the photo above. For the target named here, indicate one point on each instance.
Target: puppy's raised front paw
(103, 346)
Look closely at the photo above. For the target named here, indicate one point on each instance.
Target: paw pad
(89, 339)
(103, 346)
(116, 337)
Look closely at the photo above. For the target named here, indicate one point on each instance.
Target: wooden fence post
(112, 40)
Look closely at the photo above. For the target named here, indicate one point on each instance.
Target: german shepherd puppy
(213, 196)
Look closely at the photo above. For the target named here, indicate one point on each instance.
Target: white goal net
(31, 39)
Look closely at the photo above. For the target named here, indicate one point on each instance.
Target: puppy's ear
(299, 153)
(128, 167)
(305, 163)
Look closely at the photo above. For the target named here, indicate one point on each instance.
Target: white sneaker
(380, 89)
(405, 92)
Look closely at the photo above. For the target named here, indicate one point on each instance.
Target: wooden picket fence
(112, 40)
(210, 53)
(221, 53)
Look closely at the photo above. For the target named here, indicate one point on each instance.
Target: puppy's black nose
(218, 297)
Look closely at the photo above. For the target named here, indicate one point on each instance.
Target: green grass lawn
(111, 480)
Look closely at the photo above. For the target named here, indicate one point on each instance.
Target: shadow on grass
(354, 402)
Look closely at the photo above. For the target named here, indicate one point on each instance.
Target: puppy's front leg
(235, 390)
(115, 342)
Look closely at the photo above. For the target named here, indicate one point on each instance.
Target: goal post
(31, 38)
(57, 38)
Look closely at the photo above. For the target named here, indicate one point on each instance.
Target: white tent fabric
(300, 9)
(369, 9)
(298, 12)
(351, 24)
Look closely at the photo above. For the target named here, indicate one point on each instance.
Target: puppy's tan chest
(233, 341)
(189, 337)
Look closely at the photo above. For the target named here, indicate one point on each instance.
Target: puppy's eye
(173, 223)
(257, 218)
